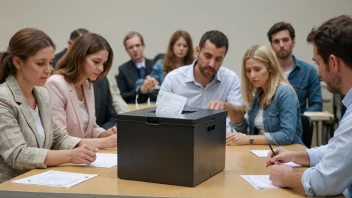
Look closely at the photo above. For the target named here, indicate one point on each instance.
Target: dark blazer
(104, 111)
(58, 56)
(126, 80)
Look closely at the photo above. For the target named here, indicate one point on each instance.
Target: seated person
(302, 76)
(269, 100)
(179, 53)
(29, 137)
(205, 83)
(73, 36)
(134, 71)
(330, 165)
(71, 86)
(104, 111)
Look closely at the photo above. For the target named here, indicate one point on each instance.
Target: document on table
(259, 181)
(170, 104)
(56, 179)
(264, 153)
(260, 153)
(104, 160)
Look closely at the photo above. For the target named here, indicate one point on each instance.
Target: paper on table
(56, 179)
(170, 104)
(259, 181)
(260, 153)
(264, 153)
(104, 160)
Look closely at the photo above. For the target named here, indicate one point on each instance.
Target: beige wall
(244, 22)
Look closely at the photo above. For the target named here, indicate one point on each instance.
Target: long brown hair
(26, 42)
(170, 59)
(71, 65)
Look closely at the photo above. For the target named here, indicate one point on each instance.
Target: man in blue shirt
(330, 165)
(205, 83)
(302, 76)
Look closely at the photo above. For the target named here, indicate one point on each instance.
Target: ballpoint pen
(274, 154)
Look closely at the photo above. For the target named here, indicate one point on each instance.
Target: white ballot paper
(104, 160)
(264, 153)
(56, 179)
(259, 181)
(170, 104)
(260, 153)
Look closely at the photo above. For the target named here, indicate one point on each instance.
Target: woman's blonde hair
(266, 55)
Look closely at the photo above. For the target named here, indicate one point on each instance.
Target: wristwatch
(251, 138)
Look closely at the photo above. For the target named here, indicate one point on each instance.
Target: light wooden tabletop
(228, 183)
(320, 115)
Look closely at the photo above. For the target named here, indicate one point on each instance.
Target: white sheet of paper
(264, 153)
(259, 181)
(170, 104)
(260, 153)
(56, 179)
(104, 160)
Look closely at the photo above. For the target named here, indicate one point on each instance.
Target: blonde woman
(273, 114)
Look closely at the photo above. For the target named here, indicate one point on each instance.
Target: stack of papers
(104, 160)
(264, 153)
(259, 181)
(56, 179)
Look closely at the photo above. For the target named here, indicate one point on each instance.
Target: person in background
(73, 36)
(134, 71)
(71, 86)
(29, 136)
(330, 165)
(206, 83)
(179, 52)
(302, 76)
(104, 111)
(269, 100)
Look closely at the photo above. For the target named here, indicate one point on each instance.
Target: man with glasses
(134, 71)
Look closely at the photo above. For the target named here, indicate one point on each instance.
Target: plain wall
(244, 22)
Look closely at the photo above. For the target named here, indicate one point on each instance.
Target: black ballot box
(182, 150)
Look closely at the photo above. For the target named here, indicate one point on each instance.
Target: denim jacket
(158, 71)
(305, 80)
(282, 118)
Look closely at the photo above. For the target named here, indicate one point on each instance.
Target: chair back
(307, 128)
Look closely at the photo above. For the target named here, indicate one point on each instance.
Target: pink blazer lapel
(74, 100)
(89, 100)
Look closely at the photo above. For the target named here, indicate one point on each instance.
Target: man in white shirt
(205, 83)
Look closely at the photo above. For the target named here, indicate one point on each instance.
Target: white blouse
(85, 115)
(39, 125)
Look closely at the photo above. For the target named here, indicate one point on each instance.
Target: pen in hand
(273, 155)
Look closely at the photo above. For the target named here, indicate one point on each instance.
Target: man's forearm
(301, 158)
(292, 179)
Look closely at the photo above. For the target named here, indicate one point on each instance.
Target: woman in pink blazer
(71, 88)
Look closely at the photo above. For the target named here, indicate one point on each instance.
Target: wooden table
(228, 183)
